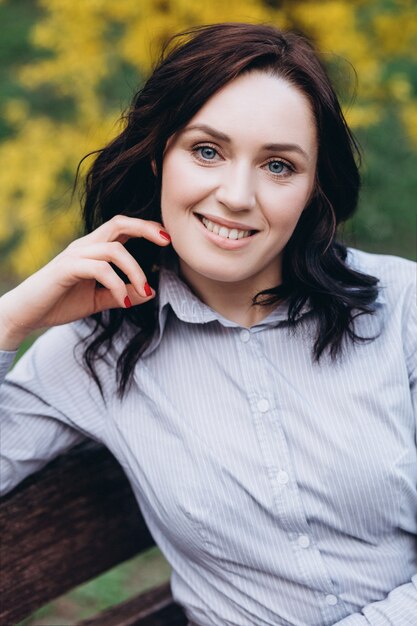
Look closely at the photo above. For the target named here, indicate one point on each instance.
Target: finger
(116, 253)
(114, 293)
(121, 228)
(65, 271)
(105, 299)
(102, 272)
(107, 277)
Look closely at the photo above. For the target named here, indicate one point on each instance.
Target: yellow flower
(87, 41)
(409, 117)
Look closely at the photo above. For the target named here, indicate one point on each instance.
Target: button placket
(268, 410)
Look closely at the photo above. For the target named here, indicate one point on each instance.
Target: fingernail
(147, 289)
(165, 235)
(127, 302)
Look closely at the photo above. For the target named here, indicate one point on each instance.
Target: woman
(256, 380)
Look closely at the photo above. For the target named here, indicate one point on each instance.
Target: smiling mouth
(223, 231)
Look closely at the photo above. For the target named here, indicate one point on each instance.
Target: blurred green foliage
(386, 221)
(69, 69)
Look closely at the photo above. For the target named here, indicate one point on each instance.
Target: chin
(221, 274)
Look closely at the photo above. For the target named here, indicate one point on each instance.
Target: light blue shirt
(282, 492)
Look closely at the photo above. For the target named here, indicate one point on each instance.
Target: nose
(236, 189)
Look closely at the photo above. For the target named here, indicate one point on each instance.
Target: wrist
(10, 336)
(9, 342)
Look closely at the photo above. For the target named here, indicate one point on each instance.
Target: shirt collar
(186, 305)
(176, 297)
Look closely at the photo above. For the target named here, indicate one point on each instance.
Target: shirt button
(244, 335)
(303, 541)
(331, 600)
(282, 477)
(263, 405)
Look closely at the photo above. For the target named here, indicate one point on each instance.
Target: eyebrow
(286, 147)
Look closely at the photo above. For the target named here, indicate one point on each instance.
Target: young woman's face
(236, 179)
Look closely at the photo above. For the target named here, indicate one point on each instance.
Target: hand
(66, 289)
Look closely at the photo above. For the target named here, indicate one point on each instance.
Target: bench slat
(152, 608)
(65, 525)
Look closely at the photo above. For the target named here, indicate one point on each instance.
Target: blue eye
(207, 153)
(276, 167)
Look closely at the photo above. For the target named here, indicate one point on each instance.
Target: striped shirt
(282, 492)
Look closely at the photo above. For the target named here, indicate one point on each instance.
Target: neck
(232, 300)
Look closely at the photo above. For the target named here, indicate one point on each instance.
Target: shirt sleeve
(48, 404)
(6, 360)
(399, 608)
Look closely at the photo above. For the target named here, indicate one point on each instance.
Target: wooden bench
(67, 524)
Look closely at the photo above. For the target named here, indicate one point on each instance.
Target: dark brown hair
(192, 68)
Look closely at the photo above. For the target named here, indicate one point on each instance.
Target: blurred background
(68, 69)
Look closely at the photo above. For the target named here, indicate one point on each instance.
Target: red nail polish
(165, 235)
(127, 302)
(147, 289)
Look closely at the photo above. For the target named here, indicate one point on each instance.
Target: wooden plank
(152, 608)
(63, 526)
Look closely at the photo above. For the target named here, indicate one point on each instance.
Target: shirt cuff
(6, 361)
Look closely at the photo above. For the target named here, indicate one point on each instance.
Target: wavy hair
(193, 66)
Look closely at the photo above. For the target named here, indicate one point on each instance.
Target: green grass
(118, 584)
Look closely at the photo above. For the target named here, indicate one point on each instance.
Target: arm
(399, 608)
(66, 288)
(6, 360)
(41, 411)
(48, 403)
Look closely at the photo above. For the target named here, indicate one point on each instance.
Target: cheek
(170, 189)
(174, 196)
(183, 184)
(286, 207)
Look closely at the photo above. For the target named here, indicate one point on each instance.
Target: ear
(153, 166)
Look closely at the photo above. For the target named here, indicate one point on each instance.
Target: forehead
(258, 104)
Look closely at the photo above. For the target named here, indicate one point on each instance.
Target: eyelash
(289, 168)
(198, 156)
(195, 150)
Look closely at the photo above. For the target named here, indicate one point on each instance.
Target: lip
(223, 242)
(221, 221)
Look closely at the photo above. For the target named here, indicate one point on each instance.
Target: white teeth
(222, 231)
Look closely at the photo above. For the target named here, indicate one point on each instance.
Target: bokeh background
(68, 69)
